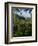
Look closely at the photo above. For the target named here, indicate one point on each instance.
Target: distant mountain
(20, 17)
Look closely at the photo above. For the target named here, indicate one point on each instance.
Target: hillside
(22, 26)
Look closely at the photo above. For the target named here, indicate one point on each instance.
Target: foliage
(22, 27)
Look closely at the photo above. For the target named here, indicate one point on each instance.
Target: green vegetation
(22, 27)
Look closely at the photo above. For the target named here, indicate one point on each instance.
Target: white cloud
(23, 13)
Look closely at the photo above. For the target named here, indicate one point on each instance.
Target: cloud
(23, 12)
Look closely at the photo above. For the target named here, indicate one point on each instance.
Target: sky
(25, 12)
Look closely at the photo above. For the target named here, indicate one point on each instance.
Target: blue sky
(25, 12)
